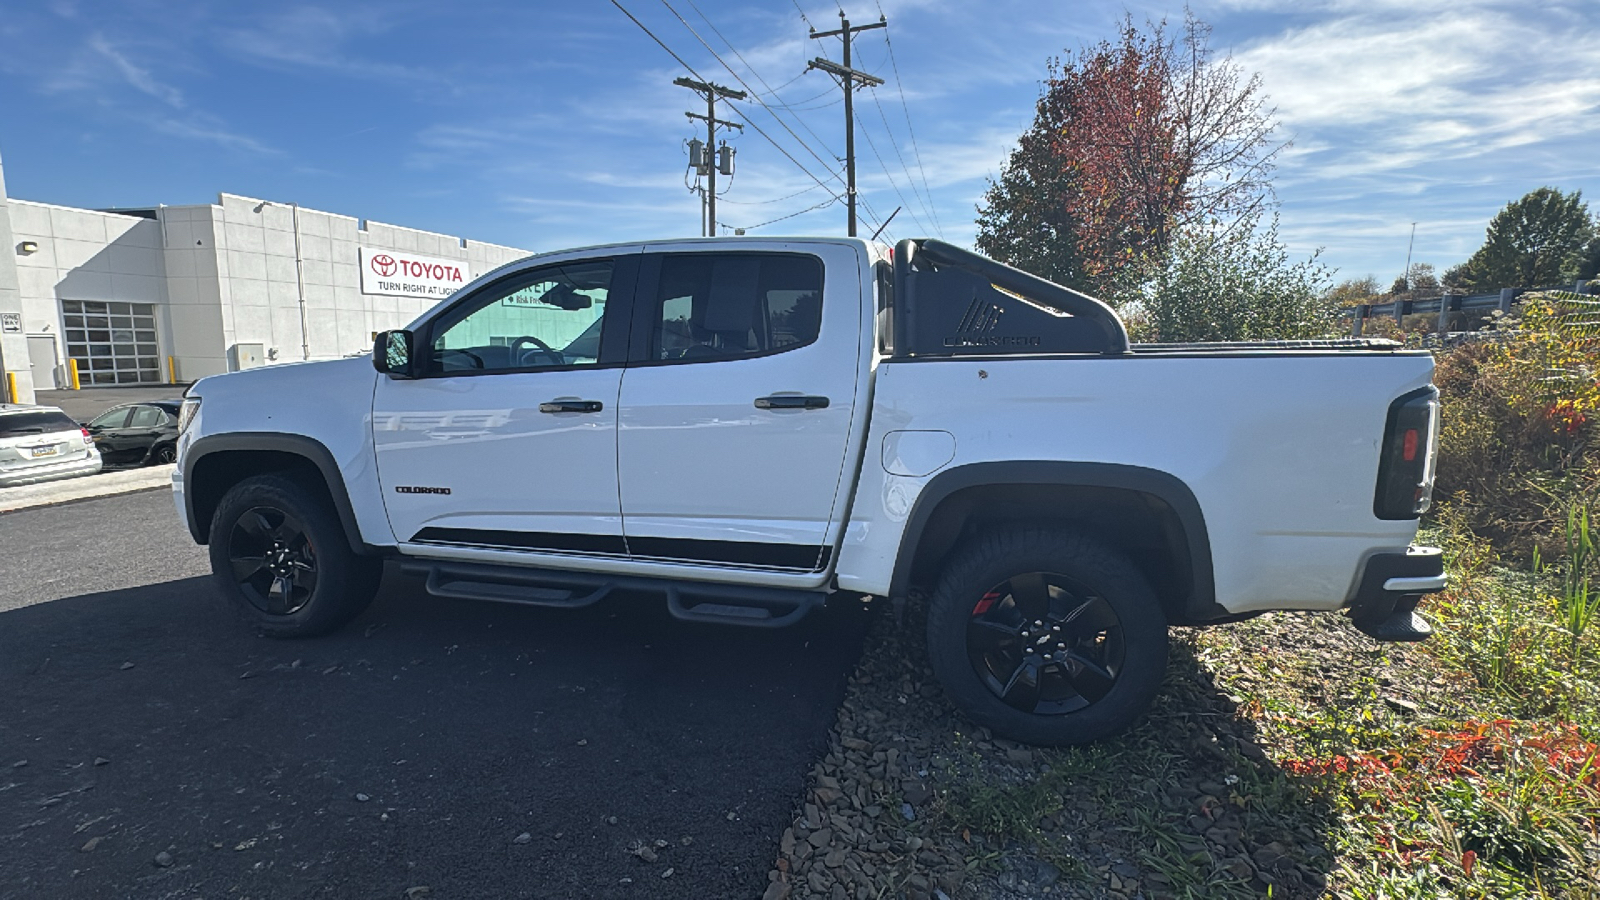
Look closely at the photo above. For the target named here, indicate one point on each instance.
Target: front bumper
(1385, 603)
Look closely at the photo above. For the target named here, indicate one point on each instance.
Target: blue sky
(547, 125)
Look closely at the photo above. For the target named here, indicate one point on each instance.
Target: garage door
(114, 343)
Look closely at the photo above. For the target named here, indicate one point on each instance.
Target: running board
(722, 604)
(1402, 624)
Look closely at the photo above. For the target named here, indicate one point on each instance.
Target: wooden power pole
(848, 77)
(711, 92)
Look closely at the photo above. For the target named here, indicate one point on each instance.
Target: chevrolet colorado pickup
(750, 427)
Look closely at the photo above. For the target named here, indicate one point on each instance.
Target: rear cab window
(735, 305)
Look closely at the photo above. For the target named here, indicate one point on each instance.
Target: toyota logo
(383, 264)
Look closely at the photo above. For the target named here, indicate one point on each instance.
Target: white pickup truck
(752, 427)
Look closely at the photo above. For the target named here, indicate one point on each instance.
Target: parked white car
(750, 427)
(42, 443)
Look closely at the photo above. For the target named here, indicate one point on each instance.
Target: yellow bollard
(11, 387)
(172, 364)
(72, 374)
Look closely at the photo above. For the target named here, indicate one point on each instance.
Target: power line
(803, 15)
(736, 110)
(910, 179)
(826, 203)
(892, 183)
(915, 151)
(804, 190)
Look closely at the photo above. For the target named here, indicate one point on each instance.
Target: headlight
(186, 413)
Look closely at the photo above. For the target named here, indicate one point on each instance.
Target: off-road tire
(343, 583)
(995, 557)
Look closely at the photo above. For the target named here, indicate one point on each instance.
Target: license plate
(44, 451)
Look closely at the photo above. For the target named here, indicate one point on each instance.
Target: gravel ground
(911, 801)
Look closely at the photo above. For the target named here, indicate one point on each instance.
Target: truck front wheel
(281, 557)
(1046, 636)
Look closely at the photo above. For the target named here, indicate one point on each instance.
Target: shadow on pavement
(412, 748)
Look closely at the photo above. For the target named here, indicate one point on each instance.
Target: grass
(1466, 766)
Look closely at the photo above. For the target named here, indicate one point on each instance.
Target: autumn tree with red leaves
(1132, 142)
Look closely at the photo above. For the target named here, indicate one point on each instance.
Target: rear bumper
(1385, 602)
(70, 468)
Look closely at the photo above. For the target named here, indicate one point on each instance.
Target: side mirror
(391, 353)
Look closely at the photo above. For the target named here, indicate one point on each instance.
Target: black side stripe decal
(804, 557)
(525, 540)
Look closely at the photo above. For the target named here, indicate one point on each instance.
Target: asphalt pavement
(151, 746)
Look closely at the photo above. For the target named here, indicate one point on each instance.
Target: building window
(114, 343)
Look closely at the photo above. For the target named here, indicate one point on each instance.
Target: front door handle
(791, 401)
(572, 406)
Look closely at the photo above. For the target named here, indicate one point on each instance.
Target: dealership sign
(404, 274)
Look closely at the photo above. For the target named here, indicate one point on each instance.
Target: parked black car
(142, 433)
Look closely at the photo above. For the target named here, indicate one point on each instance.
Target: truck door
(736, 408)
(507, 440)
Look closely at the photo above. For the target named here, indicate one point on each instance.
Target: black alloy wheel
(284, 561)
(1045, 644)
(164, 454)
(273, 561)
(1045, 635)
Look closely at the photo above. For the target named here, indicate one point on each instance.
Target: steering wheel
(539, 347)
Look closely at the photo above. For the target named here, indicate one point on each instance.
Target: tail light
(87, 437)
(1410, 446)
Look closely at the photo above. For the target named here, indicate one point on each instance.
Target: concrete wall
(85, 255)
(259, 298)
(219, 275)
(13, 347)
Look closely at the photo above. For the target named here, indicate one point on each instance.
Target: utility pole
(849, 76)
(709, 163)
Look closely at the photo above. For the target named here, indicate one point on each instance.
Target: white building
(176, 293)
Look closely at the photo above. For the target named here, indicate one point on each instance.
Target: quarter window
(729, 306)
(147, 417)
(548, 318)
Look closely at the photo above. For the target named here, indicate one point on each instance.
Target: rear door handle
(572, 406)
(791, 401)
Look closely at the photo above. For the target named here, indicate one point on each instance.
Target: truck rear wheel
(280, 555)
(1046, 636)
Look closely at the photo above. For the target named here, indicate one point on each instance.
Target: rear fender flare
(1201, 604)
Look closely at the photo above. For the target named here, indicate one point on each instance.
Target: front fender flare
(310, 449)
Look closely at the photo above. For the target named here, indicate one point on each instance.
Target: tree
(1537, 241)
(1131, 143)
(1229, 284)
(1419, 281)
(1353, 291)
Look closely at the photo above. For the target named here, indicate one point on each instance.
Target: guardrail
(1504, 301)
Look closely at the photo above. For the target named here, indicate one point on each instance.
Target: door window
(146, 417)
(111, 419)
(547, 318)
(730, 306)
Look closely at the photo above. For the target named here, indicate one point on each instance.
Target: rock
(1020, 756)
(786, 844)
(611, 820)
(909, 813)
(1401, 705)
(421, 890)
(91, 844)
(835, 858)
(126, 666)
(101, 761)
(820, 839)
(777, 890)
(1125, 869)
(1270, 855)
(915, 793)
(362, 798)
(523, 838)
(667, 873)
(827, 796)
(817, 881)
(19, 764)
(854, 743)
(583, 742)
(648, 854)
(163, 859)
